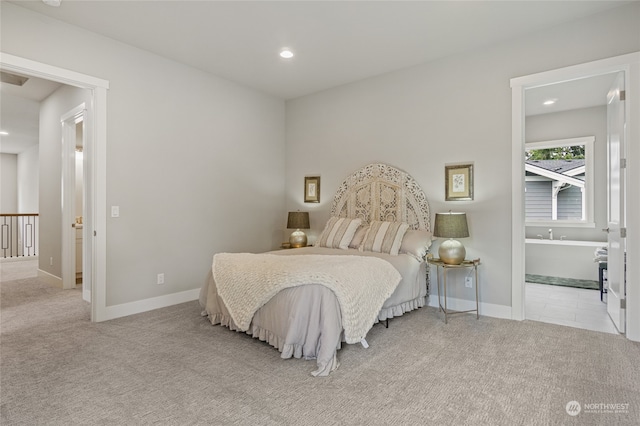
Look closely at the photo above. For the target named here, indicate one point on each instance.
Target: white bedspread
(361, 284)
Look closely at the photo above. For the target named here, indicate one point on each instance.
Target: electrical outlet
(468, 282)
(160, 279)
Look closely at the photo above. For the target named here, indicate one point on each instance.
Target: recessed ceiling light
(54, 3)
(286, 53)
(550, 102)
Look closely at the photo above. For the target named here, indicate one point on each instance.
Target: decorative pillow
(384, 237)
(359, 236)
(338, 232)
(416, 243)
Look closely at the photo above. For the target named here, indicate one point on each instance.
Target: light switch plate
(115, 211)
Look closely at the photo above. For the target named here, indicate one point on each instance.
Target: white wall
(28, 180)
(8, 183)
(454, 110)
(195, 162)
(573, 124)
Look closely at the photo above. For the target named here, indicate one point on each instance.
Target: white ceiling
(575, 94)
(20, 113)
(335, 42)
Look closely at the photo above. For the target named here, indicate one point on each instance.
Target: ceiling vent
(16, 80)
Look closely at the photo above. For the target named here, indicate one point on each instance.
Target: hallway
(17, 269)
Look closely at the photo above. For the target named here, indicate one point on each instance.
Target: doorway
(94, 157)
(519, 87)
(79, 198)
(73, 206)
(565, 197)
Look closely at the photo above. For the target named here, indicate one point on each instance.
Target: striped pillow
(358, 237)
(384, 237)
(338, 232)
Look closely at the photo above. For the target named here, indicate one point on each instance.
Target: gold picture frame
(458, 182)
(312, 189)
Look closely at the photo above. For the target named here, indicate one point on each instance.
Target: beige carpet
(170, 366)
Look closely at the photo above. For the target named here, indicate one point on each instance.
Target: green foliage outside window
(571, 152)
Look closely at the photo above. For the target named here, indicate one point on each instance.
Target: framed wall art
(312, 189)
(458, 182)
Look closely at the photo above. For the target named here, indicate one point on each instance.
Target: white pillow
(338, 232)
(384, 237)
(416, 243)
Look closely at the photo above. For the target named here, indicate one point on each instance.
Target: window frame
(589, 190)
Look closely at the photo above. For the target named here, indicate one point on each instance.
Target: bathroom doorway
(565, 167)
(522, 88)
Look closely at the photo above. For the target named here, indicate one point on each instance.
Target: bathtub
(562, 258)
(575, 243)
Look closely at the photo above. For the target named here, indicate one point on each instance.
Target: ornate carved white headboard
(381, 192)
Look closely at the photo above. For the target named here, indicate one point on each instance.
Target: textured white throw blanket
(247, 281)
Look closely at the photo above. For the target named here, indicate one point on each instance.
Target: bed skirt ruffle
(399, 310)
(287, 350)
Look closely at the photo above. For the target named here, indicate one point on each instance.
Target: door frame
(95, 162)
(630, 65)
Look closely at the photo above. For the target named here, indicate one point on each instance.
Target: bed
(367, 265)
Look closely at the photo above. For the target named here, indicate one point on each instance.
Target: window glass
(559, 181)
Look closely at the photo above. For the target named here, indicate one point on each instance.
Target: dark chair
(602, 266)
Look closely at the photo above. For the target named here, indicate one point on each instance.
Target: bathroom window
(559, 182)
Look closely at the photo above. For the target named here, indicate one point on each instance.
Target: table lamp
(298, 221)
(451, 225)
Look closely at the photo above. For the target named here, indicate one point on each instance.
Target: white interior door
(616, 205)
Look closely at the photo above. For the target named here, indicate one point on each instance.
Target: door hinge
(623, 163)
(623, 95)
(623, 303)
(95, 233)
(623, 232)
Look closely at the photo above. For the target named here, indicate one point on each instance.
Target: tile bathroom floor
(573, 307)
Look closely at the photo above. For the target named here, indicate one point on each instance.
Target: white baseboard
(139, 306)
(50, 279)
(486, 309)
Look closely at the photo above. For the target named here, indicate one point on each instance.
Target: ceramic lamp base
(452, 252)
